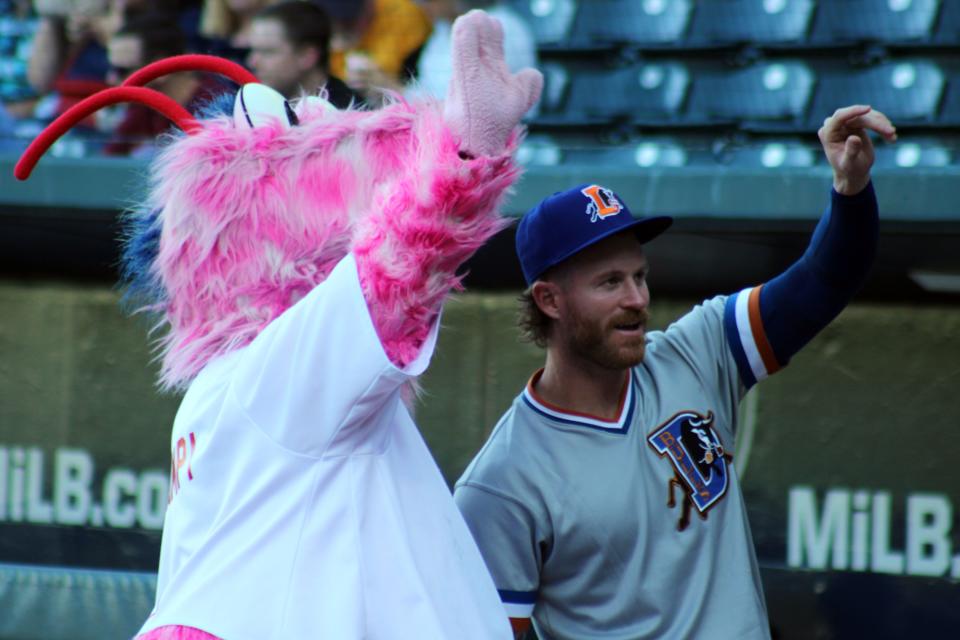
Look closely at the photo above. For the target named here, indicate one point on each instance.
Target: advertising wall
(848, 460)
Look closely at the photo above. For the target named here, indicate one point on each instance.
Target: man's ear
(548, 296)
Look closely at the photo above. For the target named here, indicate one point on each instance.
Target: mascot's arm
(442, 205)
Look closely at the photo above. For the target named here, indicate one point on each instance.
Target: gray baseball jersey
(633, 528)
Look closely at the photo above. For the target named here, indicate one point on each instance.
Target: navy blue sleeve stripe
(517, 597)
(733, 340)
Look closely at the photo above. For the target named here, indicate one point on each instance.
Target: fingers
(845, 114)
(852, 146)
(467, 32)
(857, 118)
(530, 82)
(494, 37)
(878, 122)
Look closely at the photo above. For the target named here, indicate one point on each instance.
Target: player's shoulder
(507, 453)
(705, 316)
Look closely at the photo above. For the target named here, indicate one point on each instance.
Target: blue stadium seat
(909, 92)
(759, 22)
(653, 23)
(948, 25)
(648, 93)
(950, 107)
(773, 95)
(647, 154)
(550, 20)
(892, 21)
(773, 154)
(539, 150)
(909, 153)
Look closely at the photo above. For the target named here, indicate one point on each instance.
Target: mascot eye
(259, 105)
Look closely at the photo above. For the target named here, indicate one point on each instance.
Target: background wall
(848, 458)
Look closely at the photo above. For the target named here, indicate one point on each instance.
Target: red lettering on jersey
(181, 456)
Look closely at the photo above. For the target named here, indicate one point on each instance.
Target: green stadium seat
(643, 23)
(756, 22)
(908, 91)
(888, 22)
(912, 153)
(550, 20)
(649, 93)
(770, 95)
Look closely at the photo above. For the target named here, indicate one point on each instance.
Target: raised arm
(443, 204)
(799, 303)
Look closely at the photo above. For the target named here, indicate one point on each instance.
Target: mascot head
(246, 211)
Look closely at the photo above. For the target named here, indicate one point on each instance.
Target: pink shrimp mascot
(297, 258)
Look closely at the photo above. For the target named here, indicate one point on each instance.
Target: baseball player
(606, 502)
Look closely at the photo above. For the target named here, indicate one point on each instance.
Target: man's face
(125, 54)
(275, 61)
(603, 303)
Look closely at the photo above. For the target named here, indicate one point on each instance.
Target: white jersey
(304, 502)
(634, 527)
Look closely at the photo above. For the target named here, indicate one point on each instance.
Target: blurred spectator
(434, 65)
(69, 54)
(141, 40)
(68, 59)
(375, 43)
(226, 26)
(290, 51)
(17, 28)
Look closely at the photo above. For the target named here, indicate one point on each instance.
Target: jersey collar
(564, 416)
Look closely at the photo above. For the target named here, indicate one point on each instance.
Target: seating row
(780, 95)
(579, 24)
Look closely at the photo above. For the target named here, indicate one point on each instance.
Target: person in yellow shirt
(375, 43)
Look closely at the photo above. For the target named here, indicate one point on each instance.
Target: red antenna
(190, 62)
(153, 99)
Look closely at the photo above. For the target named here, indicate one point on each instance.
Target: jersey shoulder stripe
(518, 604)
(558, 414)
(747, 337)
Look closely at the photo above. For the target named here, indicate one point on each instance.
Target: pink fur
(176, 632)
(253, 219)
(423, 225)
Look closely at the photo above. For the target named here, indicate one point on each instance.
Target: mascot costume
(297, 258)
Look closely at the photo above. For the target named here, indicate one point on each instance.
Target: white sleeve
(320, 366)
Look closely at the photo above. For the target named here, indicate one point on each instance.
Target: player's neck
(582, 387)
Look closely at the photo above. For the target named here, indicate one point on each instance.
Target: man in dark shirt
(289, 51)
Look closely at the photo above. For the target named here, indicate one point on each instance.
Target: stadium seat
(773, 154)
(647, 93)
(550, 20)
(647, 154)
(950, 106)
(759, 22)
(772, 95)
(920, 152)
(539, 151)
(654, 23)
(909, 92)
(948, 26)
(892, 21)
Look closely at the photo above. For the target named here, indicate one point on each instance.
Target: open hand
(484, 100)
(846, 142)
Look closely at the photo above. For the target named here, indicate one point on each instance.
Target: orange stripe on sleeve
(759, 334)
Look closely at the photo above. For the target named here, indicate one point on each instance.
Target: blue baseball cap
(569, 221)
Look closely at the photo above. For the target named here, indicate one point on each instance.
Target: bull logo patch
(602, 203)
(699, 461)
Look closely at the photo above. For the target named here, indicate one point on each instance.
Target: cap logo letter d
(602, 202)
